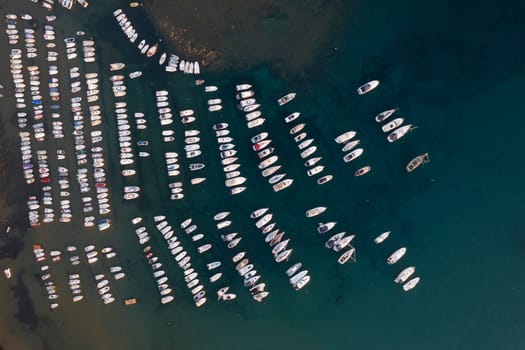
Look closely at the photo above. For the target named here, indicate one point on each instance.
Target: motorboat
(312, 161)
(392, 124)
(411, 284)
(315, 211)
(265, 152)
(315, 170)
(152, 50)
(259, 137)
(305, 144)
(282, 185)
(223, 224)
(353, 155)
(261, 145)
(362, 171)
(396, 256)
(405, 274)
(343, 243)
(400, 132)
(385, 115)
(308, 152)
(323, 228)
(345, 137)
(379, 239)
(267, 162)
(263, 221)
(324, 179)
(255, 123)
(286, 98)
(297, 128)
(332, 240)
(271, 170)
(221, 215)
(276, 178)
(259, 212)
(367, 87)
(417, 161)
(349, 254)
(291, 117)
(235, 181)
(347, 147)
(293, 269)
(300, 137)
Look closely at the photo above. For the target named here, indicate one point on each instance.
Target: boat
(261, 145)
(197, 180)
(130, 196)
(220, 126)
(259, 212)
(405, 274)
(286, 98)
(323, 228)
(353, 155)
(400, 132)
(379, 239)
(324, 179)
(152, 50)
(282, 185)
(362, 171)
(267, 162)
(221, 215)
(116, 66)
(280, 247)
(259, 137)
(204, 248)
(7, 273)
(162, 58)
(234, 242)
(367, 87)
(250, 108)
(276, 178)
(242, 87)
(301, 283)
(332, 240)
(411, 284)
(315, 211)
(255, 123)
(395, 256)
(300, 137)
(291, 117)
(260, 296)
(271, 170)
(350, 145)
(283, 256)
(392, 124)
(297, 128)
(196, 166)
(417, 161)
(235, 181)
(223, 224)
(265, 152)
(293, 269)
(263, 221)
(346, 256)
(312, 161)
(346, 136)
(308, 152)
(315, 170)
(385, 115)
(343, 243)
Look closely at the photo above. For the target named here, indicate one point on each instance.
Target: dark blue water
(453, 69)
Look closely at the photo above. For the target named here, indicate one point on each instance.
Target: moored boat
(346, 136)
(400, 132)
(259, 212)
(315, 211)
(367, 87)
(392, 124)
(349, 254)
(385, 115)
(323, 228)
(282, 185)
(286, 98)
(405, 274)
(411, 284)
(396, 256)
(362, 171)
(324, 179)
(379, 239)
(417, 161)
(353, 155)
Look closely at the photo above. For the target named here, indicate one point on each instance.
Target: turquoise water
(455, 71)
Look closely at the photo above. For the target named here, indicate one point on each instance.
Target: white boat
(223, 224)
(282, 185)
(312, 161)
(362, 171)
(301, 283)
(405, 274)
(271, 170)
(411, 284)
(283, 256)
(214, 278)
(323, 228)
(353, 155)
(259, 137)
(259, 212)
(280, 247)
(293, 269)
(367, 87)
(392, 124)
(400, 132)
(286, 98)
(276, 178)
(221, 215)
(267, 162)
(242, 87)
(396, 256)
(264, 220)
(210, 88)
(350, 145)
(324, 179)
(7, 273)
(300, 137)
(315, 170)
(297, 128)
(253, 115)
(315, 211)
(308, 152)
(235, 181)
(255, 123)
(250, 108)
(343, 243)
(332, 240)
(247, 102)
(231, 167)
(265, 152)
(349, 254)
(204, 248)
(234, 242)
(346, 136)
(291, 117)
(220, 126)
(379, 239)
(417, 161)
(197, 180)
(385, 115)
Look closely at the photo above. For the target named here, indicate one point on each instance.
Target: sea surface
(454, 69)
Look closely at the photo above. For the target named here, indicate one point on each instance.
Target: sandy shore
(290, 35)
